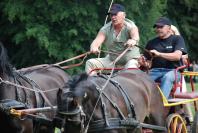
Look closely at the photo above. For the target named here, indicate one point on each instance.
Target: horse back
(48, 77)
(142, 91)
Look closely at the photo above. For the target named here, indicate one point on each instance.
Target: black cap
(115, 8)
(162, 21)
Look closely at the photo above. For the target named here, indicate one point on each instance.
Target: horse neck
(7, 91)
(93, 104)
(92, 113)
(6, 71)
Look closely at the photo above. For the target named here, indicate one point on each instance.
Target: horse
(117, 104)
(32, 88)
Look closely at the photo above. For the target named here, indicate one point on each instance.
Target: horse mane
(81, 80)
(76, 79)
(5, 66)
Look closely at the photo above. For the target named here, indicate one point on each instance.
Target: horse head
(70, 116)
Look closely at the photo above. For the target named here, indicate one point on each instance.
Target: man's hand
(155, 53)
(94, 50)
(143, 63)
(131, 43)
(97, 42)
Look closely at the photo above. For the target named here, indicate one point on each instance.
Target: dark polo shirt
(168, 45)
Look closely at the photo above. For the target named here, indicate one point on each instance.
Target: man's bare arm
(94, 48)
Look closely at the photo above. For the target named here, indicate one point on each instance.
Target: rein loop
(76, 57)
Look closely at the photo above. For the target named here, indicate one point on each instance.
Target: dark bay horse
(84, 105)
(46, 79)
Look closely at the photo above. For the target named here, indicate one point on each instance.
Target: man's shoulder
(106, 26)
(153, 40)
(175, 38)
(129, 23)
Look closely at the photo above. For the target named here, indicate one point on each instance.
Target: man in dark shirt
(167, 50)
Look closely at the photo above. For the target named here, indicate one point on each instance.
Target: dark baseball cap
(162, 21)
(115, 8)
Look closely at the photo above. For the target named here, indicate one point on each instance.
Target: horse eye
(69, 98)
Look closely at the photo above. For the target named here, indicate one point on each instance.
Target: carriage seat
(186, 95)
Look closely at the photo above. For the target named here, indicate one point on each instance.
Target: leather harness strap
(128, 101)
(39, 98)
(129, 122)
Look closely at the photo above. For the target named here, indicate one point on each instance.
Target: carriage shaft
(24, 112)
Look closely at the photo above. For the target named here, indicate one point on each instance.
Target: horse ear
(84, 76)
(59, 95)
(60, 91)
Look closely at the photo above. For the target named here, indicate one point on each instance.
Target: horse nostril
(75, 102)
(62, 130)
(58, 122)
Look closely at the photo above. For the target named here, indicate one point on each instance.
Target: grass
(189, 88)
(57, 130)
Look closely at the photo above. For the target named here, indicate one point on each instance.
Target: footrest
(175, 100)
(179, 101)
(186, 95)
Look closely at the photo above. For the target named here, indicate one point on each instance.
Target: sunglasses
(113, 14)
(159, 27)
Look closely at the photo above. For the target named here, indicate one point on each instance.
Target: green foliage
(144, 13)
(184, 13)
(49, 31)
(61, 29)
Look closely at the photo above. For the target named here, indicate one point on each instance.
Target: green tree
(184, 13)
(38, 32)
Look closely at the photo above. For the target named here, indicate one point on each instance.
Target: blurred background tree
(184, 14)
(48, 31)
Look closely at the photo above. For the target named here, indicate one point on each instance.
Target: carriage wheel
(176, 124)
(195, 123)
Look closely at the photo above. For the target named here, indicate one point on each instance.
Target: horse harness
(129, 123)
(7, 104)
(114, 123)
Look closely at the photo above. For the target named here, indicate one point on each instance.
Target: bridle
(65, 116)
(78, 112)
